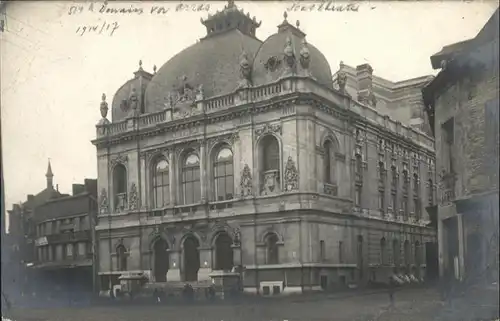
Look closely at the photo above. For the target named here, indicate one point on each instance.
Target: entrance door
(161, 260)
(191, 259)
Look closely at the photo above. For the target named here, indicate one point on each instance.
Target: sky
(53, 76)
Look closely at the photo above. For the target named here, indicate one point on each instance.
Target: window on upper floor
(394, 202)
(430, 197)
(341, 252)
(223, 174)
(381, 200)
(381, 171)
(269, 164)
(322, 251)
(329, 162)
(120, 187)
(416, 185)
(161, 183)
(394, 177)
(406, 180)
(447, 141)
(191, 188)
(357, 195)
(272, 254)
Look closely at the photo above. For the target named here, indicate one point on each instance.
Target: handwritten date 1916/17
(103, 28)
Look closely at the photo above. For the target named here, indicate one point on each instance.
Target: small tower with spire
(50, 177)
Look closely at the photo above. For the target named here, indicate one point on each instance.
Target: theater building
(242, 157)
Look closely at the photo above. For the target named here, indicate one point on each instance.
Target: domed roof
(212, 63)
(129, 94)
(269, 65)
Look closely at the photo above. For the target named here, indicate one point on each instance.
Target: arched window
(191, 179)
(383, 259)
(121, 257)
(329, 165)
(272, 255)
(395, 252)
(224, 175)
(120, 187)
(270, 164)
(161, 184)
(223, 252)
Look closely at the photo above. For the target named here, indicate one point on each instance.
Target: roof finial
(297, 24)
(49, 176)
(104, 106)
(285, 15)
(140, 64)
(230, 4)
(154, 69)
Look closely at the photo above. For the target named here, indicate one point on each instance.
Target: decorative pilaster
(203, 172)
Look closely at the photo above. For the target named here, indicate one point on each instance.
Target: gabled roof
(488, 33)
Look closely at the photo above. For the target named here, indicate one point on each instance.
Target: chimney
(78, 189)
(364, 75)
(31, 198)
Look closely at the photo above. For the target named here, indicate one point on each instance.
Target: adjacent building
(21, 236)
(64, 241)
(242, 157)
(462, 104)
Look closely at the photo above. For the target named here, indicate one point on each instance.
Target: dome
(213, 63)
(129, 94)
(269, 65)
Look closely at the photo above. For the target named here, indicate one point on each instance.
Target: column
(461, 246)
(203, 172)
(174, 272)
(172, 178)
(205, 263)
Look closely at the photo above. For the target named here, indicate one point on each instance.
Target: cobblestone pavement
(411, 305)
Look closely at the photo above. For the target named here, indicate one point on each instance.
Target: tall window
(341, 252)
(394, 177)
(321, 251)
(381, 200)
(447, 130)
(357, 195)
(418, 208)
(120, 187)
(416, 185)
(394, 202)
(383, 259)
(404, 206)
(272, 255)
(223, 175)
(161, 184)
(270, 153)
(191, 179)
(405, 181)
(121, 256)
(381, 172)
(328, 162)
(359, 167)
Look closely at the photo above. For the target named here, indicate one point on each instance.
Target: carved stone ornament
(291, 176)
(272, 64)
(131, 103)
(182, 93)
(271, 182)
(103, 202)
(341, 80)
(237, 236)
(305, 57)
(120, 159)
(133, 201)
(245, 71)
(268, 128)
(246, 182)
(104, 106)
(289, 55)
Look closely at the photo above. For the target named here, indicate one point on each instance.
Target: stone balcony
(257, 96)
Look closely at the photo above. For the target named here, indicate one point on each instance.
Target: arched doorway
(223, 252)
(161, 260)
(191, 258)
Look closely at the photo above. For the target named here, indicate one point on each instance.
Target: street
(410, 305)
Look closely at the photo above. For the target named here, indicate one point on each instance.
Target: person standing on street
(391, 289)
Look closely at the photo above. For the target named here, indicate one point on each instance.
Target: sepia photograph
(249, 160)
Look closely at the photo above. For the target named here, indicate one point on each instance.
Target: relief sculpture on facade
(291, 176)
(103, 203)
(268, 128)
(246, 182)
(133, 202)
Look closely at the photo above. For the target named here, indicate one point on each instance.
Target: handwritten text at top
(136, 9)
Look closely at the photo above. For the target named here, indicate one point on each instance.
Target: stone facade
(305, 204)
(463, 101)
